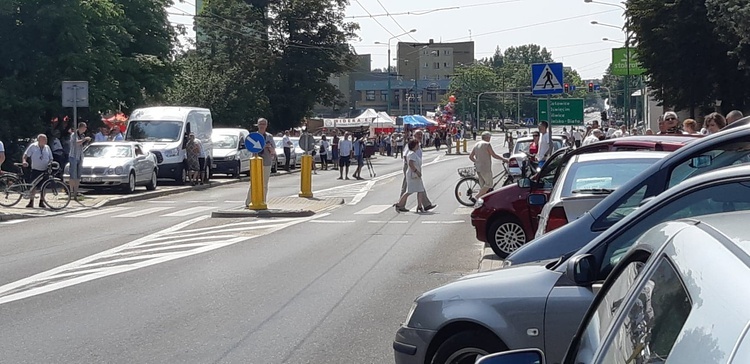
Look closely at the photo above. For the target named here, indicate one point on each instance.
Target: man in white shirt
(593, 138)
(622, 132)
(545, 141)
(39, 156)
(577, 137)
(345, 155)
(287, 144)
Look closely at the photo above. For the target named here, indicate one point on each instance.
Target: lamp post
(389, 65)
(628, 38)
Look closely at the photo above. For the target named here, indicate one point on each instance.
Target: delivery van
(164, 131)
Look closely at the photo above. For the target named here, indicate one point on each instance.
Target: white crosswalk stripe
(373, 210)
(190, 211)
(463, 211)
(139, 213)
(98, 212)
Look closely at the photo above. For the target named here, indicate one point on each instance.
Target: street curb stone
(315, 206)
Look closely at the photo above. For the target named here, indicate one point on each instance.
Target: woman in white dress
(414, 182)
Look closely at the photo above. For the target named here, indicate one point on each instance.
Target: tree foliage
(692, 57)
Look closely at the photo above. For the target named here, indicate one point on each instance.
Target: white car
(518, 157)
(230, 155)
(117, 164)
(586, 180)
(280, 161)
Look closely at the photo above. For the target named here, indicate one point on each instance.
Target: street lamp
(389, 65)
(628, 38)
(612, 40)
(603, 3)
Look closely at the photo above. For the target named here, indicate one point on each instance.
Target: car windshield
(602, 176)
(225, 141)
(523, 146)
(108, 151)
(154, 130)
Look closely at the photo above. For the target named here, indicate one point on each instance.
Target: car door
(244, 154)
(140, 164)
(543, 183)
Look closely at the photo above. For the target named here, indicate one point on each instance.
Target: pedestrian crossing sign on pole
(546, 79)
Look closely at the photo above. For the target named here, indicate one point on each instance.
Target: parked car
(663, 302)
(722, 149)
(586, 180)
(280, 161)
(117, 164)
(230, 155)
(518, 157)
(539, 305)
(504, 219)
(164, 131)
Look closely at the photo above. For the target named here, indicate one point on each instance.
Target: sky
(562, 26)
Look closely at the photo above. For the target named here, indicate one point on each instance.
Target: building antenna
(470, 35)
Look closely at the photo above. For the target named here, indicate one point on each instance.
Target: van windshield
(154, 130)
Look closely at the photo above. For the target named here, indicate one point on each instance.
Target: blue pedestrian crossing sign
(255, 142)
(546, 79)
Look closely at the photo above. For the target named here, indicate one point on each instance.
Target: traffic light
(566, 87)
(591, 87)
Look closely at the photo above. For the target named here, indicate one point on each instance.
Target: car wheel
(208, 174)
(237, 173)
(274, 167)
(466, 346)
(152, 183)
(505, 236)
(130, 186)
(180, 176)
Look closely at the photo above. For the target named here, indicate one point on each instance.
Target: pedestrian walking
(482, 155)
(414, 183)
(404, 183)
(399, 146)
(287, 144)
(345, 155)
(577, 138)
(75, 158)
(438, 140)
(193, 151)
(323, 151)
(38, 155)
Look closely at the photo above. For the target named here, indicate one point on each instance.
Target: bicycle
(468, 186)
(54, 192)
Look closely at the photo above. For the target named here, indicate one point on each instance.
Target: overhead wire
(429, 11)
(376, 20)
(397, 23)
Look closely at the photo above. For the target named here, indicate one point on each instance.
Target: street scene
(233, 181)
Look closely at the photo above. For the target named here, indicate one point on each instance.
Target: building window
(370, 95)
(446, 65)
(426, 65)
(431, 96)
(446, 53)
(436, 65)
(383, 95)
(425, 77)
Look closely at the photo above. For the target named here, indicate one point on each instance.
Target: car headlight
(480, 203)
(172, 152)
(118, 170)
(410, 314)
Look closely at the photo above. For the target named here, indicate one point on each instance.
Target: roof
(591, 157)
(224, 130)
(164, 112)
(732, 224)
(124, 142)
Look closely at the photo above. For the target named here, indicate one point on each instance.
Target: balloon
(452, 98)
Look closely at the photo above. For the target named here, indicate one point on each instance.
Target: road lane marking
(335, 221)
(463, 211)
(373, 210)
(388, 222)
(444, 222)
(190, 211)
(98, 212)
(126, 258)
(157, 201)
(143, 212)
(11, 222)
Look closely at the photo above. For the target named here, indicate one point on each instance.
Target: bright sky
(563, 26)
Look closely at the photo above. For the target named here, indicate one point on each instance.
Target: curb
(261, 213)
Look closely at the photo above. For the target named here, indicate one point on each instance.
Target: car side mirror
(582, 269)
(524, 183)
(701, 161)
(523, 356)
(506, 155)
(537, 199)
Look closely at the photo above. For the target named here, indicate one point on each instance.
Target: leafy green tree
(467, 83)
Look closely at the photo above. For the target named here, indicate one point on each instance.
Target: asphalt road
(158, 281)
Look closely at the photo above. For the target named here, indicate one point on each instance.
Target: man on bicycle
(482, 155)
(40, 156)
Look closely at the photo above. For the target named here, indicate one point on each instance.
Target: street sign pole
(549, 124)
(75, 109)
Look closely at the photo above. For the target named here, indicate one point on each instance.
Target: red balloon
(452, 98)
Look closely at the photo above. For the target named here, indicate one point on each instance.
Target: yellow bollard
(465, 143)
(257, 199)
(306, 181)
(458, 146)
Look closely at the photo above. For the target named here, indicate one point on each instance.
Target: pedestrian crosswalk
(123, 212)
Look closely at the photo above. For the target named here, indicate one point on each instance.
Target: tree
(468, 83)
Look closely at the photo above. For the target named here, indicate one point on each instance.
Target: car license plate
(213, 165)
(91, 179)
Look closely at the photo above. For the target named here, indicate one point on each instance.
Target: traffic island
(289, 207)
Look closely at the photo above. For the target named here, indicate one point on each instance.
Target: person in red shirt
(534, 146)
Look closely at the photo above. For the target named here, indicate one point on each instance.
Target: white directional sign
(75, 94)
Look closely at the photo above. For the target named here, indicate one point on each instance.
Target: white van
(164, 131)
(230, 155)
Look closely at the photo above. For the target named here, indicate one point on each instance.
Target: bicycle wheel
(11, 190)
(55, 194)
(467, 190)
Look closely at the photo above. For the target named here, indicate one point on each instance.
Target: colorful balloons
(452, 98)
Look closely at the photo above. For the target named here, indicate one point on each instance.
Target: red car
(504, 219)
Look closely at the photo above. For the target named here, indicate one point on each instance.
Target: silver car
(518, 158)
(540, 305)
(117, 164)
(588, 179)
(679, 296)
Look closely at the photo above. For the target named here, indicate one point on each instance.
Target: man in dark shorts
(359, 155)
(345, 154)
(38, 156)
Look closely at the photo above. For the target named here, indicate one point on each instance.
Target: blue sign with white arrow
(546, 79)
(255, 142)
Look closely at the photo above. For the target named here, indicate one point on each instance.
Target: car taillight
(556, 219)
(513, 162)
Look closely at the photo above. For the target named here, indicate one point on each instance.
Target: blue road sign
(597, 87)
(546, 79)
(572, 87)
(255, 142)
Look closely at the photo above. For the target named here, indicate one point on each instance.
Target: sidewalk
(104, 198)
(488, 260)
